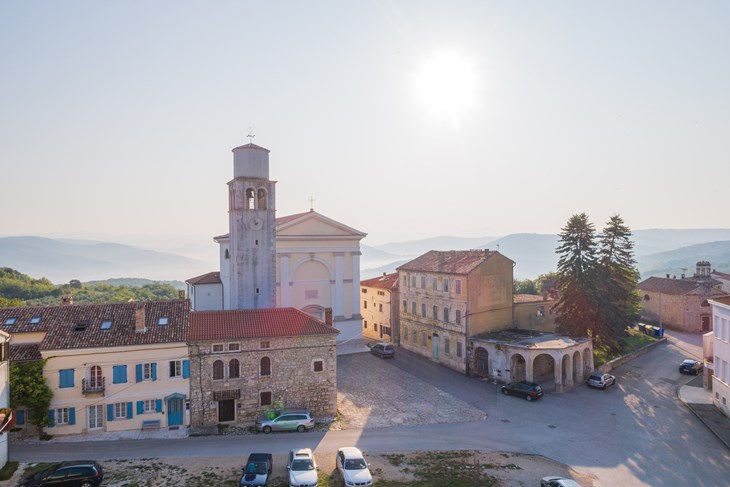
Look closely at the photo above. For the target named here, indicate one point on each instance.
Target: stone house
(681, 304)
(379, 308)
(111, 366)
(243, 362)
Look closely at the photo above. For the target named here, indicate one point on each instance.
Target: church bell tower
(251, 217)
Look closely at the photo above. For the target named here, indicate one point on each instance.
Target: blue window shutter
(130, 412)
(20, 416)
(120, 374)
(51, 417)
(66, 378)
(158, 405)
(71, 415)
(154, 370)
(138, 368)
(140, 407)
(110, 412)
(186, 369)
(71, 374)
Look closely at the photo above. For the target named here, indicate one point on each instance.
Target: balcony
(95, 386)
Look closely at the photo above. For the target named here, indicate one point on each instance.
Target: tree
(6, 303)
(576, 273)
(524, 286)
(620, 302)
(28, 388)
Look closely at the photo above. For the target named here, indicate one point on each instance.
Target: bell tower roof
(250, 161)
(250, 146)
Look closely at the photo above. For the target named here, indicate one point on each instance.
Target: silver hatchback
(286, 420)
(601, 381)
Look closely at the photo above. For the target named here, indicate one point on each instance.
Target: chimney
(328, 316)
(139, 318)
(67, 300)
(181, 294)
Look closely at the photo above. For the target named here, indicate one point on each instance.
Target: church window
(265, 366)
(218, 370)
(234, 369)
(228, 254)
(265, 398)
(318, 365)
(262, 199)
(250, 199)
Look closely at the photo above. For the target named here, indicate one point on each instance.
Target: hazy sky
(402, 119)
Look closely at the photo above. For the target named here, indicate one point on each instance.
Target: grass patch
(633, 341)
(8, 470)
(440, 469)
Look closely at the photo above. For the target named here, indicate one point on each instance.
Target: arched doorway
(577, 367)
(518, 368)
(566, 375)
(481, 367)
(543, 370)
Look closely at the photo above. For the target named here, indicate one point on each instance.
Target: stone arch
(518, 367)
(249, 200)
(566, 370)
(543, 369)
(261, 199)
(577, 367)
(303, 262)
(587, 362)
(481, 362)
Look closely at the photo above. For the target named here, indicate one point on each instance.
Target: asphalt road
(636, 433)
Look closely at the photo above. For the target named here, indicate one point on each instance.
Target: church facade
(306, 261)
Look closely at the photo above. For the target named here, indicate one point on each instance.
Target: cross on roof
(311, 203)
(250, 135)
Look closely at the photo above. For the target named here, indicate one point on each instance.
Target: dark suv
(690, 366)
(66, 474)
(528, 390)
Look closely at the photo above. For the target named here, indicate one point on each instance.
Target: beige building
(111, 367)
(681, 304)
(246, 361)
(380, 316)
(5, 418)
(447, 297)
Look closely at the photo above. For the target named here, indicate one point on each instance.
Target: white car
(558, 482)
(302, 468)
(353, 467)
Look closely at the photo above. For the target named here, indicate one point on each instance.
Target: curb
(690, 406)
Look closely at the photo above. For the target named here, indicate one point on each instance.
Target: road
(636, 433)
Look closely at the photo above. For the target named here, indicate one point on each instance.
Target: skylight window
(163, 321)
(10, 321)
(35, 320)
(106, 324)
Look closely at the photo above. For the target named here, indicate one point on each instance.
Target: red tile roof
(24, 352)
(387, 281)
(79, 325)
(671, 286)
(723, 300)
(448, 262)
(209, 278)
(255, 323)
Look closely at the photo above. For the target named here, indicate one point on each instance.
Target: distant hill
(653, 241)
(683, 260)
(533, 253)
(61, 261)
(378, 271)
(137, 282)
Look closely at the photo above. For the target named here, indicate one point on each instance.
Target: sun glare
(446, 84)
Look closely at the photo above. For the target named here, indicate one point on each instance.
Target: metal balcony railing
(93, 387)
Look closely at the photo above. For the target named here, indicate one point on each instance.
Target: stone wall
(292, 381)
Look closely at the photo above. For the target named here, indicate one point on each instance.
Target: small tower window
(250, 199)
(262, 199)
(228, 254)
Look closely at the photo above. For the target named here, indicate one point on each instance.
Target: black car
(66, 474)
(257, 470)
(691, 366)
(528, 390)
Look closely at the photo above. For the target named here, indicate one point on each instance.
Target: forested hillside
(17, 289)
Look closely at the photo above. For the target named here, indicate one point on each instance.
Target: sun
(446, 84)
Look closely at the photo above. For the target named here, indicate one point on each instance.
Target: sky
(401, 119)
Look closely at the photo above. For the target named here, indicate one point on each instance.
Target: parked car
(354, 469)
(528, 390)
(257, 469)
(558, 482)
(601, 381)
(288, 419)
(691, 366)
(66, 474)
(302, 468)
(383, 350)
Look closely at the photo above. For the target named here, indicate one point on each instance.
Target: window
(119, 374)
(66, 378)
(405, 306)
(540, 312)
(375, 327)
(35, 320)
(63, 416)
(365, 324)
(435, 312)
(250, 199)
(218, 348)
(405, 333)
(446, 284)
(265, 398)
(147, 371)
(234, 369)
(175, 368)
(457, 318)
(413, 308)
(415, 336)
(423, 309)
(106, 324)
(413, 281)
(262, 199)
(435, 284)
(423, 338)
(380, 307)
(10, 321)
(447, 345)
(364, 290)
(457, 286)
(265, 344)
(458, 349)
(265, 367)
(318, 365)
(228, 254)
(120, 410)
(218, 370)
(234, 347)
(365, 304)
(148, 406)
(423, 282)
(446, 315)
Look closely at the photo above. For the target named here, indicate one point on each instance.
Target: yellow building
(379, 308)
(111, 367)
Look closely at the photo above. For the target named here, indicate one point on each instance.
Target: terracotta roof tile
(209, 278)
(255, 323)
(79, 325)
(388, 281)
(668, 286)
(448, 262)
(723, 300)
(24, 352)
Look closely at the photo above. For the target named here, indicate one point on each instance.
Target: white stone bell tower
(251, 217)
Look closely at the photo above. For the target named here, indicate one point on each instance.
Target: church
(306, 260)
